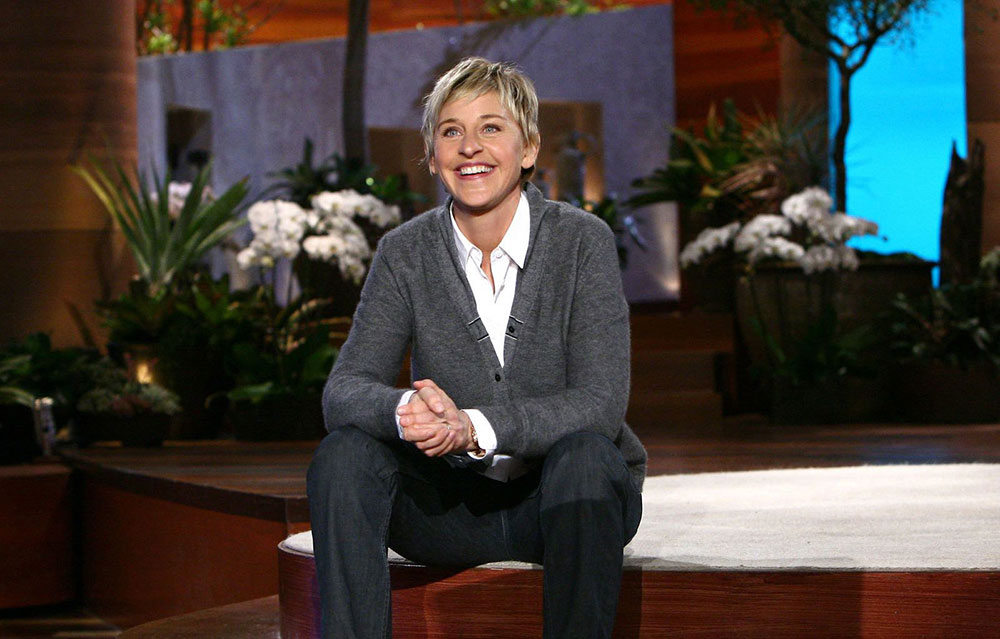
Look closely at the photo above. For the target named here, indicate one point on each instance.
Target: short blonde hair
(471, 78)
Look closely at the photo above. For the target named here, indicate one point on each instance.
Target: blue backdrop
(908, 106)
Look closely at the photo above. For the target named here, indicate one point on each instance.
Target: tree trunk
(840, 139)
(962, 217)
(185, 38)
(355, 137)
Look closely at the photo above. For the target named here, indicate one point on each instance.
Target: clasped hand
(433, 423)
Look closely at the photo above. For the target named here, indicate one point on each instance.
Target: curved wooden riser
(430, 603)
(298, 595)
(426, 601)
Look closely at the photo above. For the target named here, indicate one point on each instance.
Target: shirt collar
(514, 242)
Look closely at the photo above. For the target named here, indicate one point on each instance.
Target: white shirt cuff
(484, 432)
(402, 400)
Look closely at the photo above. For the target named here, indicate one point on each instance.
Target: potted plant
(739, 167)
(947, 346)
(280, 370)
(329, 244)
(169, 228)
(845, 32)
(797, 305)
(330, 216)
(30, 368)
(119, 407)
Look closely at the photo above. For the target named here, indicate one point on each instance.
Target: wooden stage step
(681, 370)
(682, 331)
(139, 511)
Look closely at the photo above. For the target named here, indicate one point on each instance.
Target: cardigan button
(497, 377)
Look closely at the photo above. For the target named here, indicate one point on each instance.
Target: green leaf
(163, 247)
(14, 395)
(252, 392)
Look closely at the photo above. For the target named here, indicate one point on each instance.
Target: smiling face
(479, 153)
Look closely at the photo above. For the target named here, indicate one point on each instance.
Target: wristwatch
(478, 451)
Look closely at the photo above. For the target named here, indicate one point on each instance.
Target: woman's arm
(361, 388)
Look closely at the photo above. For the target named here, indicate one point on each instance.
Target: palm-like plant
(9, 393)
(161, 245)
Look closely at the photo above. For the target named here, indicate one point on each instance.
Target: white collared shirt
(493, 303)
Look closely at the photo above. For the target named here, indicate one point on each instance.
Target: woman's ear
(530, 154)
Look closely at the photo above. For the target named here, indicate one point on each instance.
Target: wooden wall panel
(305, 19)
(67, 89)
(982, 76)
(716, 59)
(36, 540)
(146, 558)
(46, 270)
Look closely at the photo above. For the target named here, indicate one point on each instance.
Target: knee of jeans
(584, 461)
(346, 455)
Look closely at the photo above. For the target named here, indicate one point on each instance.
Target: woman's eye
(491, 128)
(450, 133)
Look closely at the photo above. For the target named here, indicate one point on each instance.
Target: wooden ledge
(254, 619)
(263, 481)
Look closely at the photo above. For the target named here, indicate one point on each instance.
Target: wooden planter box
(789, 300)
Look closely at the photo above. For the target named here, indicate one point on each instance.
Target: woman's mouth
(474, 169)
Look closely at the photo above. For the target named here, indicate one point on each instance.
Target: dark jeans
(574, 517)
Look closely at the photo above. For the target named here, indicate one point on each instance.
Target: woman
(512, 443)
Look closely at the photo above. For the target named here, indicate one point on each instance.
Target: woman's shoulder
(571, 223)
(422, 228)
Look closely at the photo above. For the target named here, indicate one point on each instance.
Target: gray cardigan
(566, 352)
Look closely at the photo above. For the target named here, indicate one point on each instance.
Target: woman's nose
(470, 145)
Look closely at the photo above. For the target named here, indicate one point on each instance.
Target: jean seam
(387, 593)
(505, 531)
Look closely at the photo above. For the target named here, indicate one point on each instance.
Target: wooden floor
(258, 475)
(266, 477)
(52, 622)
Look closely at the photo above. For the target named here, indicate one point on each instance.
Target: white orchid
(806, 214)
(759, 229)
(807, 206)
(840, 227)
(778, 247)
(327, 232)
(828, 258)
(177, 193)
(707, 242)
(349, 203)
